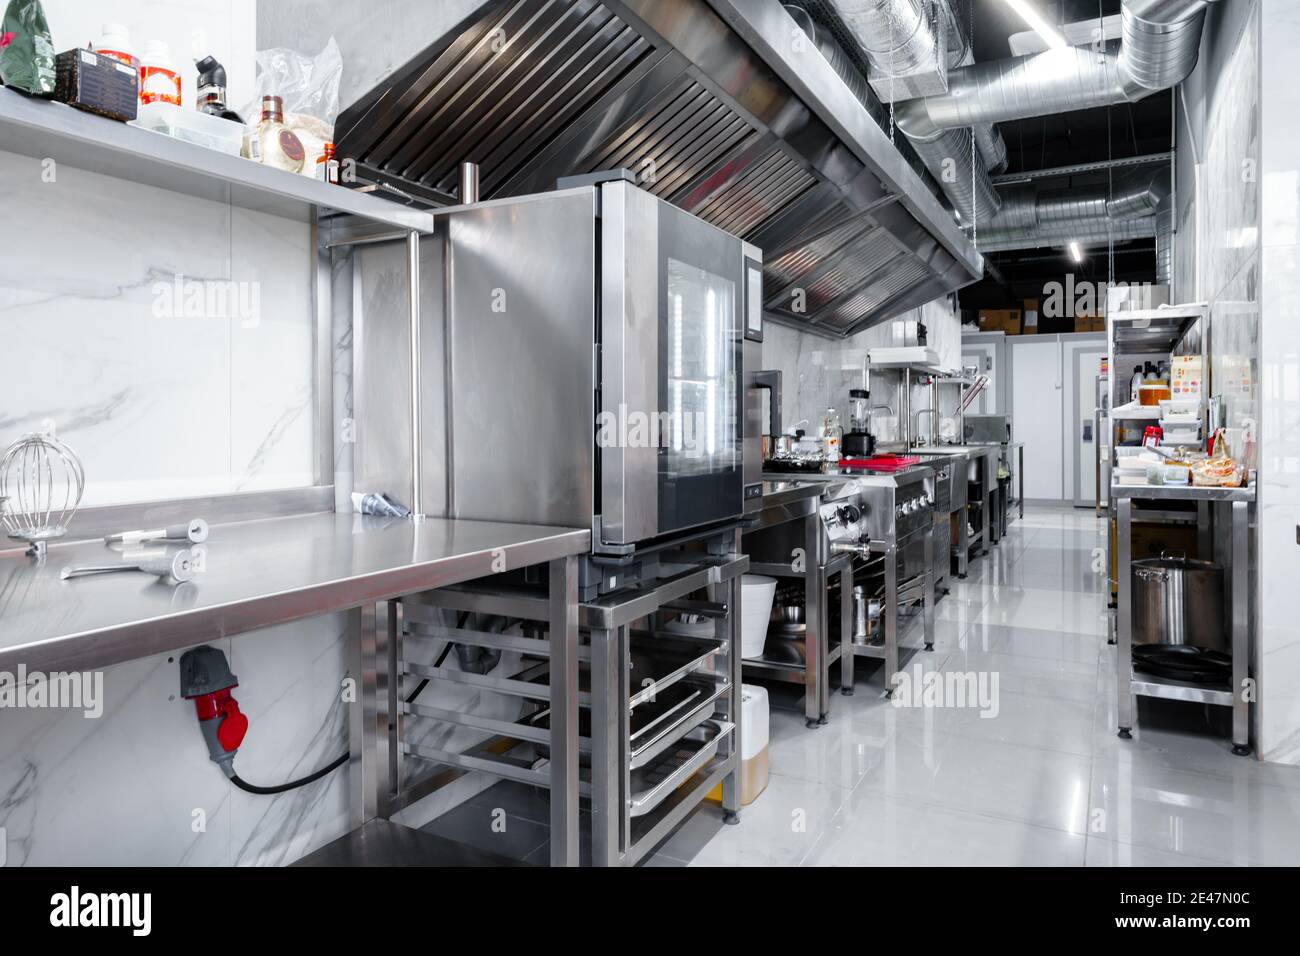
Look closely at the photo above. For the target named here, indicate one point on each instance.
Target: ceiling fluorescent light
(1075, 252)
(1035, 22)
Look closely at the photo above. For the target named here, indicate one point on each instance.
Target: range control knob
(848, 514)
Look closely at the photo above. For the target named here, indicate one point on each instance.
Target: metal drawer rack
(656, 712)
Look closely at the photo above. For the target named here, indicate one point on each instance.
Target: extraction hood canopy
(715, 105)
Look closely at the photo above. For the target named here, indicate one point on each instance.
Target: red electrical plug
(206, 679)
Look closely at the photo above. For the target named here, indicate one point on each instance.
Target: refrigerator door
(671, 417)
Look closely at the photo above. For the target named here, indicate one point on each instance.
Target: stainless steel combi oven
(590, 372)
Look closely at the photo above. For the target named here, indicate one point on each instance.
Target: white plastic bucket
(756, 594)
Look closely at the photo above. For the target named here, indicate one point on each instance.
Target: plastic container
(756, 594)
(116, 42)
(755, 766)
(1180, 411)
(1153, 393)
(202, 129)
(160, 78)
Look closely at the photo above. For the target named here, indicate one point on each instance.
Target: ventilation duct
(903, 40)
(1161, 41)
(1032, 218)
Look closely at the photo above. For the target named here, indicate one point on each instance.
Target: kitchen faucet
(916, 419)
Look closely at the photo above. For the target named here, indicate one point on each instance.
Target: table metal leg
(606, 846)
(1020, 476)
(891, 619)
(730, 593)
(1124, 616)
(1240, 627)
(963, 542)
(814, 616)
(927, 607)
(985, 508)
(846, 631)
(365, 779)
(563, 615)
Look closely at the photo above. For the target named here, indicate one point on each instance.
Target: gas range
(861, 507)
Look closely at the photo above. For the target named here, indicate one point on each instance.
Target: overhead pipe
(898, 39)
(1032, 218)
(1159, 48)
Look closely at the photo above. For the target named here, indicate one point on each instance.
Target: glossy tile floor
(1044, 782)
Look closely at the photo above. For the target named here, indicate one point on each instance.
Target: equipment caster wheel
(1125, 733)
(730, 817)
(889, 693)
(1111, 642)
(1241, 750)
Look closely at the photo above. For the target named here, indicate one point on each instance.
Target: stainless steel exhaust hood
(716, 105)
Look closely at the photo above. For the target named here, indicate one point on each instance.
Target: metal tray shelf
(653, 727)
(652, 784)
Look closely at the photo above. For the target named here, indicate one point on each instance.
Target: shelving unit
(44, 129)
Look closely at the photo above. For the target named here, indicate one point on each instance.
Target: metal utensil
(43, 480)
(196, 532)
(178, 567)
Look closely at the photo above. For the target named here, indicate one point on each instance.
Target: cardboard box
(1000, 320)
(1030, 324)
(1089, 322)
(96, 83)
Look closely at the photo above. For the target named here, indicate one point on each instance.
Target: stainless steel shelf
(44, 129)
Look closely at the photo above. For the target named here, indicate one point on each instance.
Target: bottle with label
(116, 43)
(831, 433)
(327, 166)
(160, 80)
(271, 143)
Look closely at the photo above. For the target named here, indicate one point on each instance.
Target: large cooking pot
(1178, 622)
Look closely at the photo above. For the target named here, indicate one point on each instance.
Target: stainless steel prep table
(1240, 503)
(789, 501)
(261, 573)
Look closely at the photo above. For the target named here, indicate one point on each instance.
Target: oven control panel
(913, 510)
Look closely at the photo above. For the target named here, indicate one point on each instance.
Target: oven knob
(848, 515)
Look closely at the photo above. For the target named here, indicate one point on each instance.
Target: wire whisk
(41, 483)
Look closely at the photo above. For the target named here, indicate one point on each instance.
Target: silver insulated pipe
(1161, 41)
(901, 41)
(1030, 218)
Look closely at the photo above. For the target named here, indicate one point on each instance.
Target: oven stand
(919, 588)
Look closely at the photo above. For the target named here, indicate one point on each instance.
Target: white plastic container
(756, 594)
(160, 77)
(116, 42)
(754, 761)
(203, 129)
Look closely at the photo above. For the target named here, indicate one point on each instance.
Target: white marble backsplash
(158, 402)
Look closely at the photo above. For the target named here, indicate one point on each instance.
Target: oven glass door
(700, 476)
(670, 422)
(701, 342)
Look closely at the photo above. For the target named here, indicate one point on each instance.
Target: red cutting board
(882, 462)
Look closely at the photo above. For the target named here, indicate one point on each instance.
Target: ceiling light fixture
(1075, 252)
(1034, 20)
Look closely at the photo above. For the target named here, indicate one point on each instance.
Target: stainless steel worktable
(1238, 502)
(255, 574)
(258, 573)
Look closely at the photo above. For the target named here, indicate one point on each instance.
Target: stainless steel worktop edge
(130, 637)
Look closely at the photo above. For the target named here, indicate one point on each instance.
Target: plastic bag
(26, 50)
(309, 87)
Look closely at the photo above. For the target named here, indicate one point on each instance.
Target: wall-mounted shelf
(44, 129)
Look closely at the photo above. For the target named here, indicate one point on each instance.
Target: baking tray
(652, 783)
(652, 727)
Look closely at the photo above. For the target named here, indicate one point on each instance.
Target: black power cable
(292, 785)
